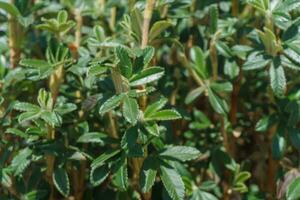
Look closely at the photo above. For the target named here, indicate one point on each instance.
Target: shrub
(149, 99)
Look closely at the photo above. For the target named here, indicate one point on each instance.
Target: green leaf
(21, 161)
(255, 62)
(172, 182)
(121, 175)
(202, 195)
(148, 53)
(97, 70)
(28, 107)
(218, 104)
(52, 118)
(62, 16)
(151, 109)
(61, 181)
(98, 174)
(242, 177)
(152, 129)
(157, 28)
(16, 132)
(194, 94)
(129, 143)
(93, 137)
(5, 179)
(182, 153)
(293, 190)
(148, 174)
(224, 49)
(130, 110)
(213, 19)
(111, 103)
(10, 8)
(261, 5)
(65, 108)
(125, 62)
(104, 157)
(147, 75)
(278, 146)
(265, 123)
(198, 58)
(164, 115)
(294, 136)
(277, 80)
(27, 116)
(35, 63)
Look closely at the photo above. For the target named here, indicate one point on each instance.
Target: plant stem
(146, 24)
(235, 7)
(113, 16)
(14, 30)
(78, 19)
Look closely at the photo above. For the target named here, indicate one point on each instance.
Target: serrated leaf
(22, 106)
(99, 174)
(182, 153)
(27, 116)
(164, 115)
(99, 161)
(152, 129)
(111, 103)
(61, 181)
(277, 80)
(157, 28)
(147, 75)
(21, 161)
(172, 182)
(5, 179)
(148, 174)
(151, 109)
(121, 175)
(255, 62)
(125, 62)
(97, 70)
(130, 110)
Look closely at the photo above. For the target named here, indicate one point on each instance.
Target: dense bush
(153, 99)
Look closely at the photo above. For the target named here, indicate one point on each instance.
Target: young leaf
(158, 28)
(111, 103)
(130, 110)
(147, 75)
(164, 115)
(172, 182)
(98, 174)
(213, 19)
(181, 153)
(255, 62)
(61, 181)
(148, 174)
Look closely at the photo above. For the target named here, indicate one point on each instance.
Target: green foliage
(179, 99)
